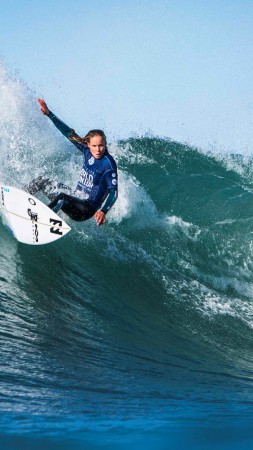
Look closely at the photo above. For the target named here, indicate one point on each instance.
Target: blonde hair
(86, 139)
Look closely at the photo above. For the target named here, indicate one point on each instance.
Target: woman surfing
(97, 187)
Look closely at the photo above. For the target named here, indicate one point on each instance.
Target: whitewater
(138, 332)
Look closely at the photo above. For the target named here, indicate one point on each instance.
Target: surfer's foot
(58, 206)
(38, 184)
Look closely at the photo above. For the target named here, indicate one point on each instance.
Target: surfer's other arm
(110, 200)
(111, 197)
(68, 132)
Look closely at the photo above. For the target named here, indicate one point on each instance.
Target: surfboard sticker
(28, 219)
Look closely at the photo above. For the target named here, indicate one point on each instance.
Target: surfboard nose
(29, 219)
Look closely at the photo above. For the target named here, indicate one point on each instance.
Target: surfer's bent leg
(75, 208)
(47, 186)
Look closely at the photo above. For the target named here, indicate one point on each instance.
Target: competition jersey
(98, 178)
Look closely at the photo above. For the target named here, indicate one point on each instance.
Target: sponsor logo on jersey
(86, 179)
(91, 161)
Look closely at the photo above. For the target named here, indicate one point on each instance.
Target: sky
(181, 69)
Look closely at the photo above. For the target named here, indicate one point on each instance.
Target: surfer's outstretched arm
(68, 132)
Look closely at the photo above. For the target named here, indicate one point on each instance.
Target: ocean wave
(167, 280)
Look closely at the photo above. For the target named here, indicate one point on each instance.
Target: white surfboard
(28, 219)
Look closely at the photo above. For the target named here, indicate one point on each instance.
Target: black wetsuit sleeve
(111, 199)
(68, 132)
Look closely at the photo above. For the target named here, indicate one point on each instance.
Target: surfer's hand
(100, 218)
(43, 106)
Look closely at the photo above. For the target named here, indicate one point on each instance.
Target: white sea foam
(210, 302)
(188, 229)
(133, 203)
(28, 143)
(130, 155)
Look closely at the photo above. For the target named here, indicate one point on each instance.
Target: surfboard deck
(28, 219)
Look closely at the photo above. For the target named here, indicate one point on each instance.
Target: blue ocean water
(138, 333)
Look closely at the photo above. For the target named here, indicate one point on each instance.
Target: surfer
(96, 190)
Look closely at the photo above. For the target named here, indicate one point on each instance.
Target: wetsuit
(97, 182)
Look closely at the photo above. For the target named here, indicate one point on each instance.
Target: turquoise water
(139, 332)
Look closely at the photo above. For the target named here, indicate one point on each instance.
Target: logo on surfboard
(55, 223)
(34, 219)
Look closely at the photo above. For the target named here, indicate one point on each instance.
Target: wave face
(138, 327)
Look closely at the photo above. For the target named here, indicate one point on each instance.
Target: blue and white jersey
(98, 178)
